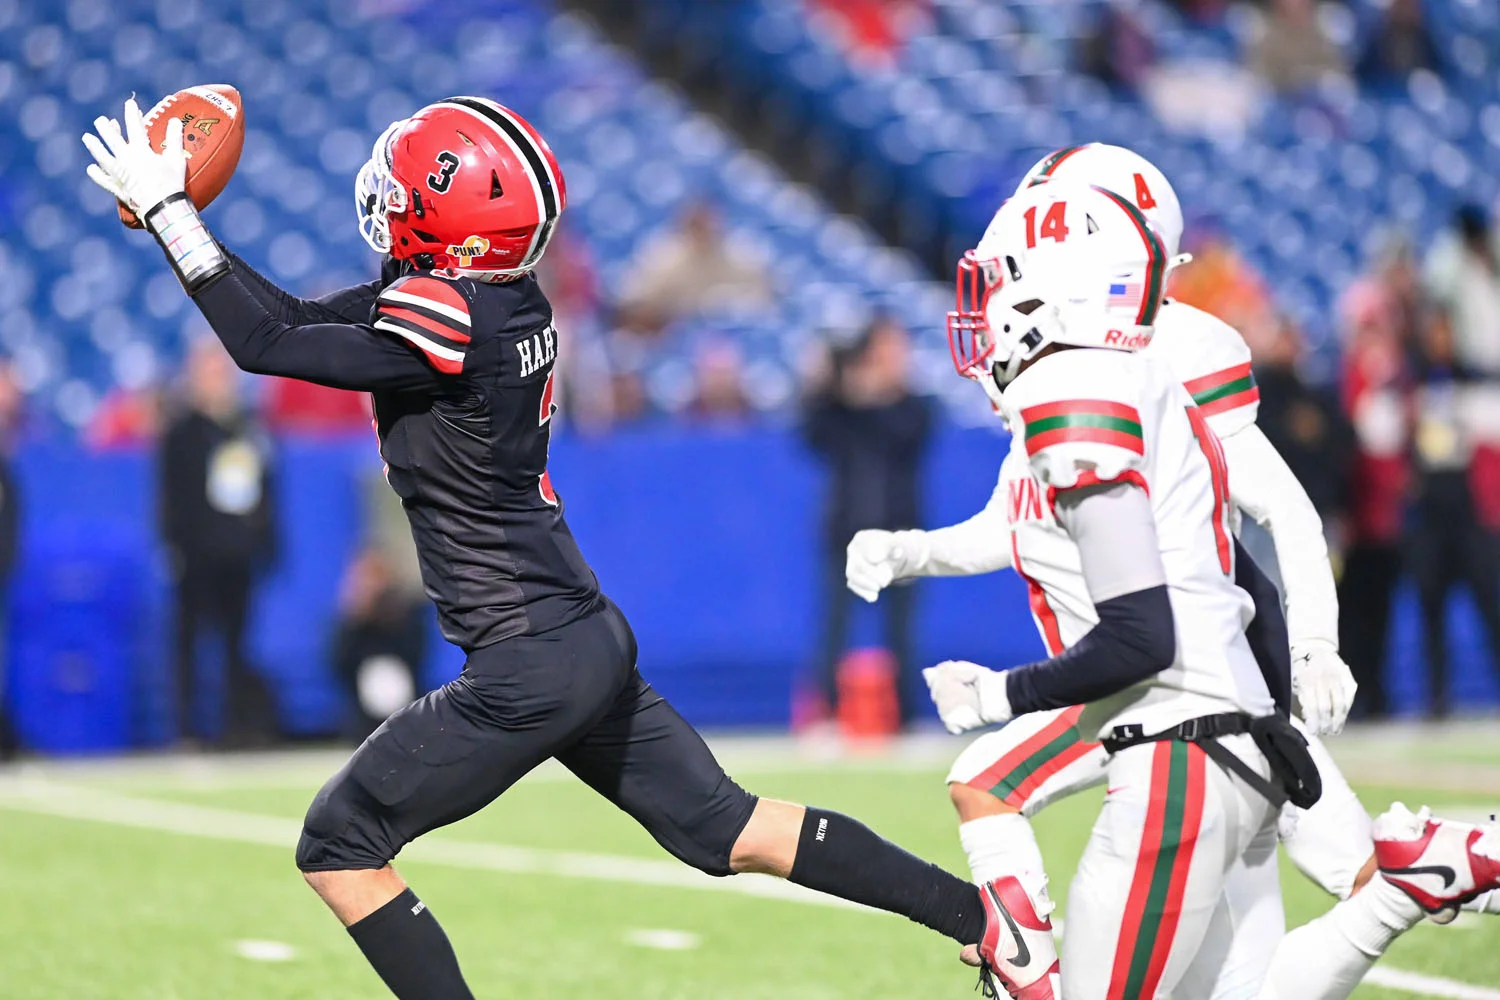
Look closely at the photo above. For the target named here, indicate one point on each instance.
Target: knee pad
(705, 839)
(343, 830)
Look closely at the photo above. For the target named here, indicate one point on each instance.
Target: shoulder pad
(1212, 361)
(1078, 414)
(430, 313)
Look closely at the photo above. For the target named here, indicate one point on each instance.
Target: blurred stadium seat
(85, 310)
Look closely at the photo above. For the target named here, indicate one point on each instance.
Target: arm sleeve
(1266, 632)
(979, 545)
(1262, 486)
(347, 305)
(340, 355)
(1135, 637)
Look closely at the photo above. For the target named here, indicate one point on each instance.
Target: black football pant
(214, 599)
(572, 693)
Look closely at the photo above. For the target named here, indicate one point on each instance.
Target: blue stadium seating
(979, 95)
(87, 307)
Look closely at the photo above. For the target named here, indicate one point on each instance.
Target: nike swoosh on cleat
(1023, 953)
(1448, 875)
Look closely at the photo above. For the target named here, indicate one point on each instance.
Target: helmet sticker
(474, 246)
(447, 166)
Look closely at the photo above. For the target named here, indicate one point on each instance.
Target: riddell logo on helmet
(1128, 341)
(474, 246)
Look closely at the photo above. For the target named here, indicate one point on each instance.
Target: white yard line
(49, 798)
(73, 802)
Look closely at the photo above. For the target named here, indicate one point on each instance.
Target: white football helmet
(1061, 263)
(1119, 170)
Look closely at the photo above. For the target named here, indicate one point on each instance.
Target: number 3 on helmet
(464, 185)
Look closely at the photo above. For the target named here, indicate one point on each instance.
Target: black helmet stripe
(541, 172)
(524, 143)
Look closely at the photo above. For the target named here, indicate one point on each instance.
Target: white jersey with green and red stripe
(1089, 416)
(1211, 360)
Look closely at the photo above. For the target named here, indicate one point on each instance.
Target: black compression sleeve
(1134, 639)
(347, 305)
(341, 355)
(1267, 632)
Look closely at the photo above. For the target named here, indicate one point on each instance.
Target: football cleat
(1439, 863)
(1018, 948)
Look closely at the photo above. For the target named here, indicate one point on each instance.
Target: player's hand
(1322, 687)
(967, 695)
(127, 167)
(876, 559)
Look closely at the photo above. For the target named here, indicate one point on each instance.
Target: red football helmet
(465, 185)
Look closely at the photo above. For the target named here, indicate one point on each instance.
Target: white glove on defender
(967, 695)
(1322, 687)
(129, 168)
(876, 559)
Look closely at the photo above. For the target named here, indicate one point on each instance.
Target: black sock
(404, 943)
(839, 855)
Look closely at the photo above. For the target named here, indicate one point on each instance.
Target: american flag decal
(1124, 295)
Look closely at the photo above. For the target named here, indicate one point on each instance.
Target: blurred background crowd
(766, 201)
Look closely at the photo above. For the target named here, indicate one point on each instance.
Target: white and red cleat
(1018, 948)
(1439, 863)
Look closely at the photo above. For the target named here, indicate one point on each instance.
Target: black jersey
(461, 375)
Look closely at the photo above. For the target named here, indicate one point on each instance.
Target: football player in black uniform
(456, 344)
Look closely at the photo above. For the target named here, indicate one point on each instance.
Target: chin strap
(192, 251)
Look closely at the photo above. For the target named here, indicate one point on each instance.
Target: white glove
(127, 167)
(876, 559)
(1322, 687)
(967, 695)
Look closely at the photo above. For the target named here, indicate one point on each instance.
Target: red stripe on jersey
(1102, 407)
(1045, 616)
(427, 322)
(1099, 435)
(1215, 379)
(1226, 403)
(1091, 478)
(437, 292)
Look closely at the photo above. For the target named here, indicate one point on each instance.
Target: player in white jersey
(1007, 776)
(1119, 516)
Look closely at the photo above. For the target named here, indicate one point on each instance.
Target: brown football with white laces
(213, 133)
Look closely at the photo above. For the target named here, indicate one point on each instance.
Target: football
(213, 132)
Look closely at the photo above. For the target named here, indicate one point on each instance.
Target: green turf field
(151, 880)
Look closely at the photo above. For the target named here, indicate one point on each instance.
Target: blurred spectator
(1447, 544)
(1380, 316)
(126, 418)
(583, 393)
(873, 30)
(719, 392)
(379, 642)
(1400, 46)
(1463, 277)
(1218, 280)
(690, 269)
(1117, 50)
(1304, 424)
(1293, 52)
(872, 431)
(217, 521)
(1203, 12)
(11, 401)
(305, 407)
